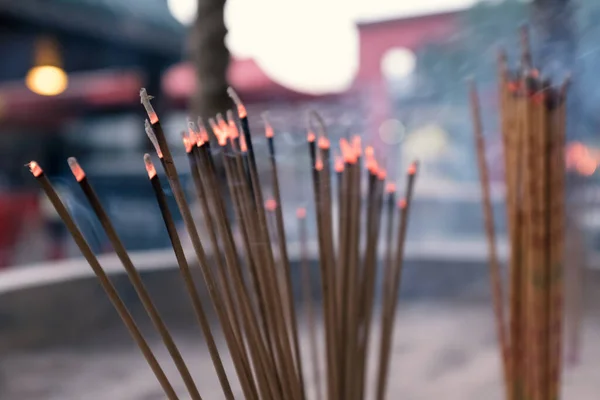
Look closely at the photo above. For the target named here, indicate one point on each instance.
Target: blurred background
(393, 71)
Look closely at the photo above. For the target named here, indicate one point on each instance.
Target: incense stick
(494, 265)
(105, 282)
(134, 277)
(308, 302)
(389, 306)
(187, 277)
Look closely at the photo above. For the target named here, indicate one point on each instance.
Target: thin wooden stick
(281, 337)
(158, 138)
(390, 305)
(187, 277)
(134, 277)
(494, 265)
(308, 302)
(105, 282)
(284, 256)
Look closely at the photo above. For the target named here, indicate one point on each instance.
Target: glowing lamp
(46, 77)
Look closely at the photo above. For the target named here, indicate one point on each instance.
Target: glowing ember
(311, 137)
(390, 187)
(152, 137)
(242, 113)
(347, 151)
(323, 142)
(243, 146)
(76, 169)
(233, 129)
(357, 145)
(35, 168)
(301, 212)
(339, 164)
(188, 143)
(319, 164)
(268, 127)
(270, 205)
(381, 174)
(412, 169)
(402, 203)
(149, 166)
(145, 100)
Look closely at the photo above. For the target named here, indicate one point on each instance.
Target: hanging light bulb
(46, 77)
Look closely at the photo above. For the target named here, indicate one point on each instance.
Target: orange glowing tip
(402, 203)
(339, 164)
(242, 113)
(35, 168)
(381, 174)
(192, 131)
(369, 152)
(311, 136)
(145, 100)
(152, 137)
(319, 164)
(149, 166)
(357, 145)
(243, 146)
(233, 129)
(412, 169)
(372, 166)
(203, 132)
(347, 152)
(221, 136)
(187, 142)
(223, 126)
(324, 143)
(390, 187)
(270, 205)
(301, 212)
(76, 169)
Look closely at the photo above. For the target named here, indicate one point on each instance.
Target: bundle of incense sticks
(533, 133)
(248, 272)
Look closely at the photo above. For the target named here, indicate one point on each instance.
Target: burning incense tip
(223, 126)
(203, 131)
(35, 168)
(357, 145)
(323, 142)
(381, 174)
(152, 137)
(347, 152)
(390, 187)
(187, 142)
(268, 127)
(243, 146)
(311, 137)
(149, 166)
(242, 113)
(145, 100)
(233, 130)
(412, 169)
(369, 151)
(192, 131)
(221, 136)
(372, 166)
(76, 169)
(339, 164)
(319, 164)
(402, 203)
(301, 212)
(270, 205)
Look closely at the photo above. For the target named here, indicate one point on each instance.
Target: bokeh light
(47, 80)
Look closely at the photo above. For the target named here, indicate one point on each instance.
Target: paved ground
(441, 351)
